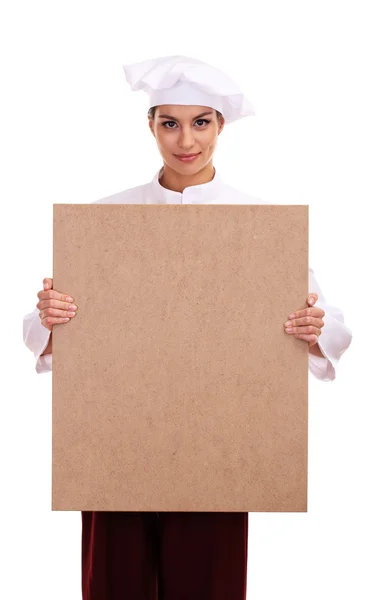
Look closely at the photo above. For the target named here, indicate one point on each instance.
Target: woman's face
(182, 130)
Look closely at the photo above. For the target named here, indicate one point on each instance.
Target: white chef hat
(184, 80)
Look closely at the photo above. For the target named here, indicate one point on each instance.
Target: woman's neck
(171, 180)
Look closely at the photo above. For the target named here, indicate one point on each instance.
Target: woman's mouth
(187, 157)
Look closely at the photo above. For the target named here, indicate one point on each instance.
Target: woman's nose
(186, 139)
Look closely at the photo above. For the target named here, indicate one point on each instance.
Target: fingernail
(288, 323)
(311, 300)
(69, 299)
(292, 316)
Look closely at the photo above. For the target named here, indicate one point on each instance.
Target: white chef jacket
(335, 337)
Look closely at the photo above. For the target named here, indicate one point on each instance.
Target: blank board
(175, 387)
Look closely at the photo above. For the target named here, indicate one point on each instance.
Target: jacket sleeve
(36, 338)
(334, 339)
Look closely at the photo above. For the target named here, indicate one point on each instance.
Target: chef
(185, 556)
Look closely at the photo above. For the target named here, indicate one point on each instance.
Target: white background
(72, 131)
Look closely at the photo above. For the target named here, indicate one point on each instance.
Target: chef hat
(184, 80)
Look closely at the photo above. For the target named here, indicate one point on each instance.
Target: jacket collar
(204, 193)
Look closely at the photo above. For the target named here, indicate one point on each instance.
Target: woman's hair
(151, 113)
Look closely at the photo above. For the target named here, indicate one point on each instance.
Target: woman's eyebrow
(195, 118)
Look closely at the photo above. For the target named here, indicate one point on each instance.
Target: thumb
(47, 283)
(312, 299)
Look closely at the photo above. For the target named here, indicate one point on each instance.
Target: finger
(317, 322)
(313, 297)
(47, 283)
(49, 322)
(310, 338)
(54, 294)
(309, 329)
(54, 312)
(312, 311)
(54, 303)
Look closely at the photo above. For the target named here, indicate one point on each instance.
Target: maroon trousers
(164, 556)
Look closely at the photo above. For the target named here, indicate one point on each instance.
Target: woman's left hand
(306, 324)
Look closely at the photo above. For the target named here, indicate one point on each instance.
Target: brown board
(175, 387)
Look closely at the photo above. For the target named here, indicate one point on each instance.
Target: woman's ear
(151, 124)
(221, 124)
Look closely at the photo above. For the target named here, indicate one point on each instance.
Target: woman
(200, 556)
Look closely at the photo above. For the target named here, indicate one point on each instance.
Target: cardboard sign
(175, 387)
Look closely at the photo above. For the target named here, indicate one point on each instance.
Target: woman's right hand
(54, 307)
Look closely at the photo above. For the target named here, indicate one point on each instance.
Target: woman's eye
(171, 124)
